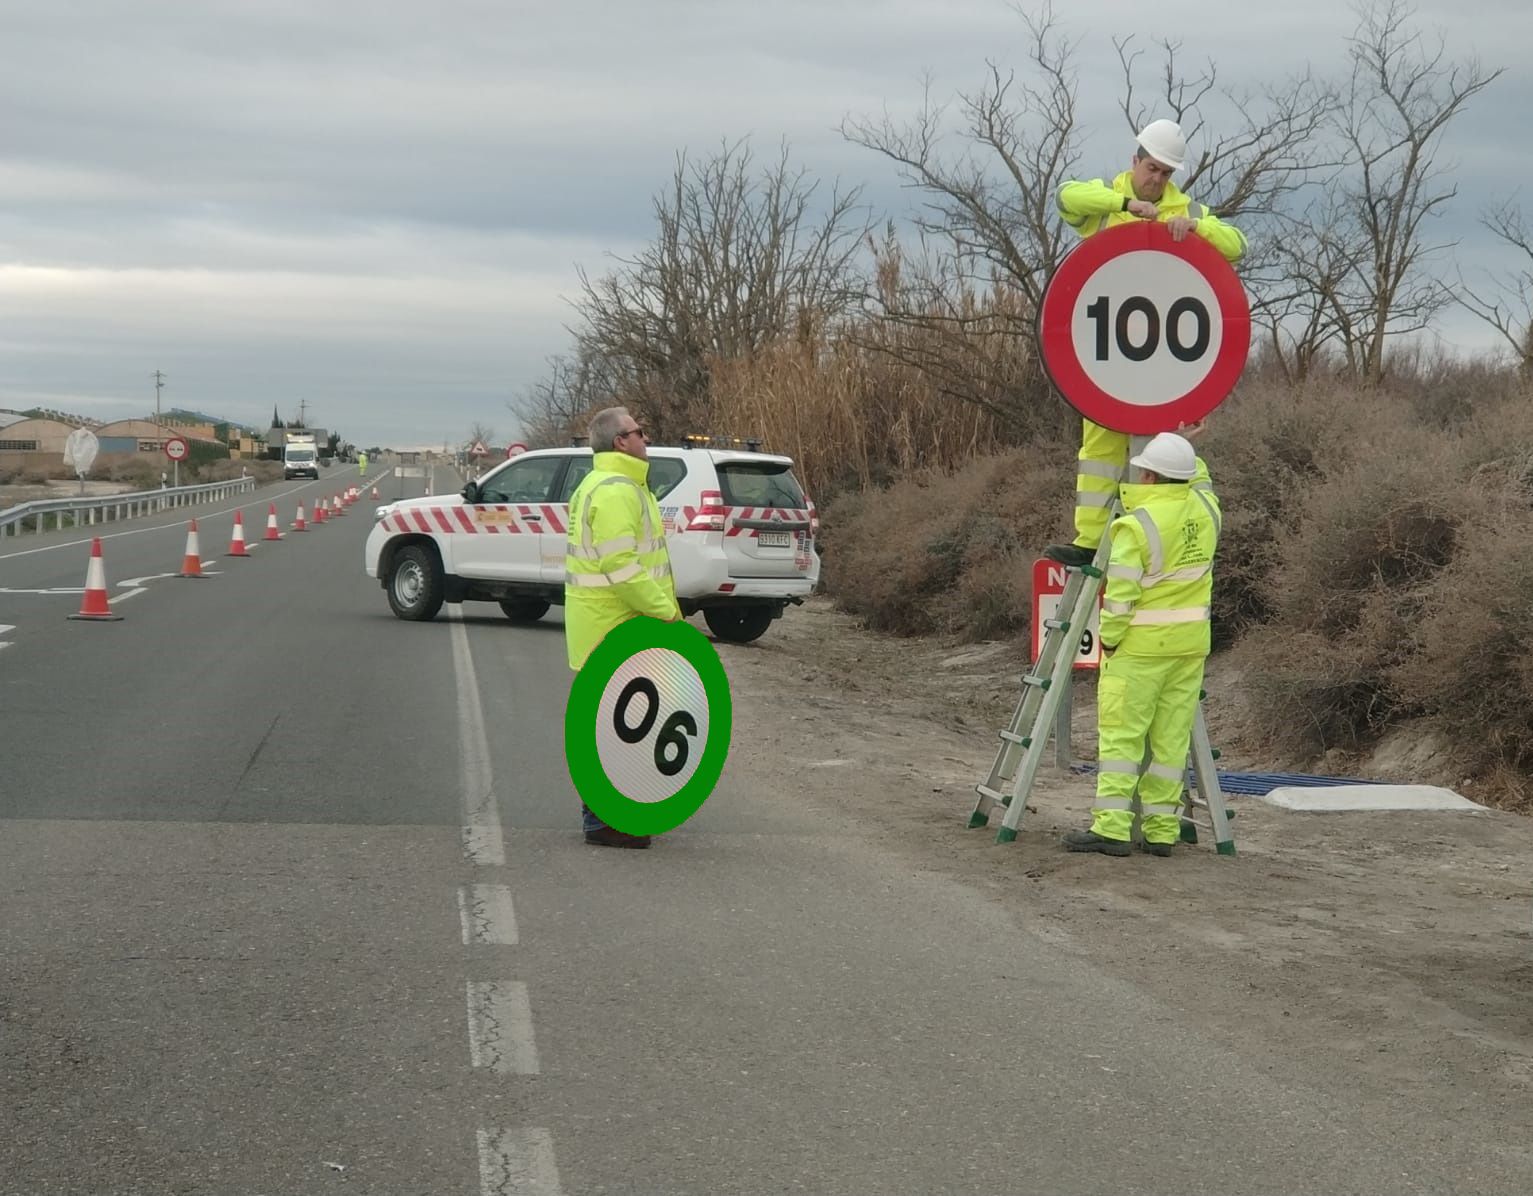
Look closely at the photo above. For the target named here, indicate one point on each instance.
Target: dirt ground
(1398, 945)
(10, 495)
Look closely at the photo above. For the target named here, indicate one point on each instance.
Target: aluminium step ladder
(1046, 685)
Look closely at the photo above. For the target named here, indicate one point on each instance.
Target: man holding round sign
(1146, 332)
(647, 727)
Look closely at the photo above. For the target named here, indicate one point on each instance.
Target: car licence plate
(775, 539)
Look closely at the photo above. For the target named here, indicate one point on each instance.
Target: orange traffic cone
(271, 523)
(375, 493)
(191, 565)
(237, 544)
(94, 604)
(337, 507)
(321, 510)
(298, 524)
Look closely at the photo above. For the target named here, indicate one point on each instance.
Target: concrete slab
(1345, 798)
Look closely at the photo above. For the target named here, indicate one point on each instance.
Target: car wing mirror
(471, 492)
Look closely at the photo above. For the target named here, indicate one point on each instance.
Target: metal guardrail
(103, 508)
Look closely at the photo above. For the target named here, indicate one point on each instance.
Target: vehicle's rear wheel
(415, 586)
(738, 624)
(524, 610)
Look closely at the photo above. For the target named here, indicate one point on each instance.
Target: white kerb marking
(500, 1027)
(483, 842)
(517, 1163)
(489, 919)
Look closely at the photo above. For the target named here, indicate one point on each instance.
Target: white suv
(740, 531)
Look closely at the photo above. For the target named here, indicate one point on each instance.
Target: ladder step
(1013, 737)
(986, 791)
(1040, 682)
(1057, 624)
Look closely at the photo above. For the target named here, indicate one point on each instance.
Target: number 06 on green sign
(647, 728)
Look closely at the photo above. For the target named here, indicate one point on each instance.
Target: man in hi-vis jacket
(617, 566)
(1143, 192)
(1155, 636)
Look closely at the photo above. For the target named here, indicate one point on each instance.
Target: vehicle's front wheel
(524, 610)
(738, 624)
(415, 587)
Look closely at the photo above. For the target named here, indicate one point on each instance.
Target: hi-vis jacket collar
(629, 467)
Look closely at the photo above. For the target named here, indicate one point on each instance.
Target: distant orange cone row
(94, 604)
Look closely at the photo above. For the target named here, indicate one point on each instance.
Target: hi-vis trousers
(1143, 699)
(1098, 470)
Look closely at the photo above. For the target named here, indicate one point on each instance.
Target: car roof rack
(751, 444)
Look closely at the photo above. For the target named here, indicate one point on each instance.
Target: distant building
(33, 444)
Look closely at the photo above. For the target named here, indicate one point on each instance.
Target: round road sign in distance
(647, 728)
(515, 450)
(1141, 333)
(176, 448)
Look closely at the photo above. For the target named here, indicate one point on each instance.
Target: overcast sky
(378, 206)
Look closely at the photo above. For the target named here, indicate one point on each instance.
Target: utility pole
(159, 383)
(303, 412)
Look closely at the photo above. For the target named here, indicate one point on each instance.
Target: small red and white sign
(515, 450)
(1141, 333)
(479, 449)
(176, 448)
(1048, 588)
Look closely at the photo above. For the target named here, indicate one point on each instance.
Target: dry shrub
(1266, 446)
(1471, 672)
(1349, 586)
(850, 422)
(950, 553)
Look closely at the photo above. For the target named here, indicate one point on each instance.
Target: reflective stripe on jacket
(615, 559)
(1160, 579)
(1090, 205)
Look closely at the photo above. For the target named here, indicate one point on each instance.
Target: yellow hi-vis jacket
(1090, 205)
(1160, 580)
(615, 560)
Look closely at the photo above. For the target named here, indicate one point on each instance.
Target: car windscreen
(760, 484)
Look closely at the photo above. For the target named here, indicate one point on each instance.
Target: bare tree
(1400, 97)
(1270, 141)
(990, 227)
(1510, 311)
(738, 261)
(480, 434)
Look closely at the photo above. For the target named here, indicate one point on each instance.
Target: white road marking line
(500, 1027)
(483, 841)
(517, 1163)
(489, 919)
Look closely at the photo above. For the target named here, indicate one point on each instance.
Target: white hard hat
(1169, 455)
(1163, 141)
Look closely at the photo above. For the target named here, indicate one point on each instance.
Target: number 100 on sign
(1147, 328)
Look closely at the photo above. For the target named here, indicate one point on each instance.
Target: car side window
(665, 474)
(523, 481)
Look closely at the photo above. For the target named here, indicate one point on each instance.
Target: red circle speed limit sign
(175, 448)
(1141, 333)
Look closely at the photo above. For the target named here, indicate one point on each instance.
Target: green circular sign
(647, 728)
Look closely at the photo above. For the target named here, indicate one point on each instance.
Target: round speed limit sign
(175, 448)
(647, 728)
(1141, 333)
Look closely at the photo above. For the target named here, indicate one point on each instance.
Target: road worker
(1143, 192)
(362, 464)
(1155, 638)
(617, 566)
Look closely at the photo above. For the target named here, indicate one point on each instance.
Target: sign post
(176, 449)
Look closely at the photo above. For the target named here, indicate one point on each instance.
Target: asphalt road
(293, 899)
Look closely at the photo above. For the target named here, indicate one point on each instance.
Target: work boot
(605, 836)
(1091, 841)
(1160, 849)
(1070, 554)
